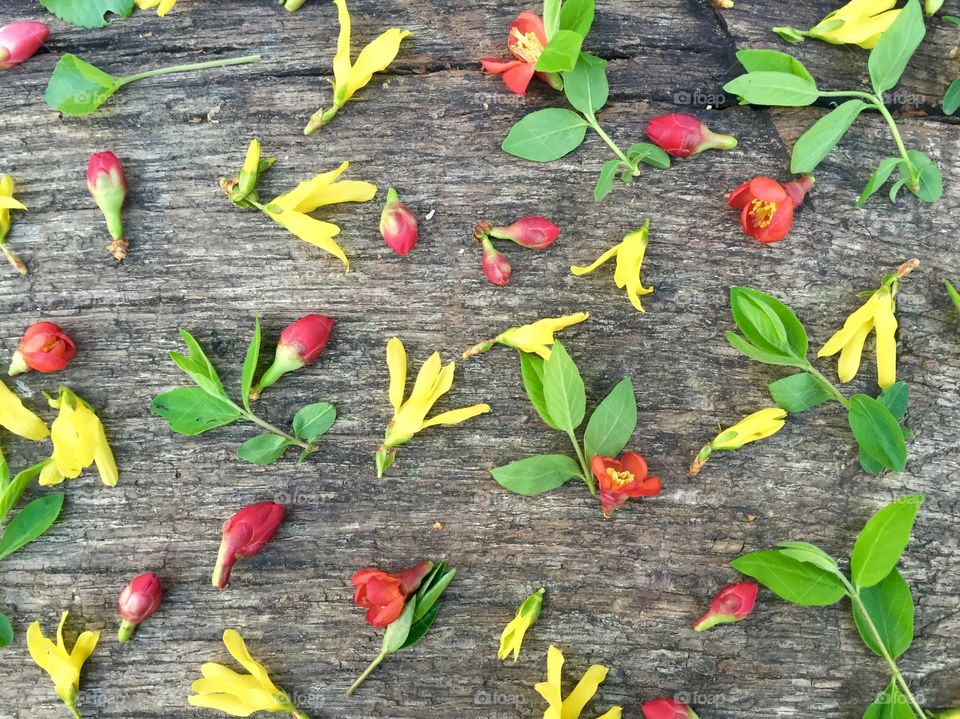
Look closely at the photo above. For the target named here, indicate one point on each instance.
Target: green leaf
(250, 365)
(398, 630)
(791, 579)
(430, 592)
(889, 57)
(773, 88)
(773, 61)
(313, 420)
(420, 627)
(536, 475)
(758, 355)
(952, 19)
(551, 17)
(531, 370)
(878, 178)
(191, 410)
(954, 295)
(263, 449)
(577, 15)
(560, 54)
(814, 145)
(30, 522)
(896, 397)
(14, 490)
(891, 704)
(767, 323)
(811, 554)
(563, 390)
(931, 182)
(546, 135)
(6, 631)
(895, 187)
(650, 154)
(606, 179)
(88, 13)
(882, 541)
(199, 367)
(889, 605)
(951, 99)
(877, 432)
(612, 423)
(799, 392)
(78, 88)
(4, 475)
(586, 85)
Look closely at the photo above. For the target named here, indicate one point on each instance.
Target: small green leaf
(88, 13)
(767, 323)
(891, 704)
(882, 541)
(78, 88)
(759, 355)
(263, 449)
(14, 490)
(773, 61)
(878, 178)
(313, 420)
(531, 370)
(191, 410)
(30, 522)
(563, 390)
(890, 607)
(649, 154)
(799, 392)
(546, 135)
(551, 17)
(954, 295)
(536, 475)
(560, 54)
(877, 432)
(895, 187)
(586, 85)
(398, 630)
(606, 179)
(896, 397)
(951, 99)
(250, 365)
(811, 554)
(198, 366)
(796, 581)
(612, 423)
(420, 627)
(814, 145)
(428, 594)
(6, 631)
(4, 475)
(577, 15)
(889, 57)
(773, 88)
(931, 182)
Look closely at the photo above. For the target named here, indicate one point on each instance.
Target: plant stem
(192, 66)
(837, 394)
(251, 417)
(587, 474)
(366, 672)
(592, 120)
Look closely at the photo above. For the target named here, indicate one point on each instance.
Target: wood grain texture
(622, 592)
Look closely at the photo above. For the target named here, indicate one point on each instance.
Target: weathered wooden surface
(620, 592)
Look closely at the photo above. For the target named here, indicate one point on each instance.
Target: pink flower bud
(138, 600)
(398, 225)
(667, 709)
(19, 41)
(534, 232)
(301, 343)
(732, 603)
(108, 185)
(681, 135)
(496, 267)
(245, 534)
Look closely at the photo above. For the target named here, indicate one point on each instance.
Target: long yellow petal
(50, 475)
(551, 690)
(308, 229)
(165, 7)
(374, 58)
(850, 354)
(537, 337)
(103, 458)
(864, 32)
(456, 416)
(886, 342)
(343, 191)
(17, 418)
(9, 203)
(41, 649)
(854, 322)
(226, 703)
(341, 61)
(83, 648)
(442, 384)
(397, 367)
(614, 713)
(238, 650)
(300, 196)
(587, 686)
(579, 270)
(859, 9)
(426, 380)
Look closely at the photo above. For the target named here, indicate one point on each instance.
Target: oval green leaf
(313, 420)
(889, 57)
(6, 631)
(263, 449)
(586, 85)
(536, 475)
(773, 61)
(612, 423)
(78, 88)
(191, 410)
(889, 605)
(563, 390)
(799, 392)
(531, 370)
(88, 13)
(882, 541)
(30, 522)
(796, 581)
(773, 88)
(546, 135)
(877, 432)
(814, 145)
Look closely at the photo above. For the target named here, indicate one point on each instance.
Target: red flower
(667, 709)
(533, 232)
(732, 603)
(620, 479)
(301, 343)
(19, 41)
(384, 595)
(767, 206)
(398, 225)
(245, 534)
(681, 135)
(44, 347)
(138, 600)
(496, 266)
(526, 41)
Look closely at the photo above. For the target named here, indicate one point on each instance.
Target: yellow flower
(512, 637)
(749, 429)
(859, 22)
(238, 694)
(289, 210)
(409, 417)
(62, 666)
(348, 78)
(7, 203)
(572, 706)
(534, 338)
(629, 254)
(163, 6)
(17, 418)
(78, 442)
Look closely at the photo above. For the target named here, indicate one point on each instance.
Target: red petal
(740, 196)
(411, 577)
(382, 616)
(634, 464)
(530, 22)
(780, 224)
(517, 78)
(647, 487)
(496, 66)
(383, 591)
(763, 188)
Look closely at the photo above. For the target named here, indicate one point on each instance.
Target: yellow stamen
(619, 479)
(526, 46)
(762, 212)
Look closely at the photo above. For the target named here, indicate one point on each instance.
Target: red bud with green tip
(496, 267)
(108, 185)
(667, 709)
(19, 41)
(301, 343)
(398, 225)
(732, 603)
(681, 135)
(533, 232)
(245, 534)
(138, 600)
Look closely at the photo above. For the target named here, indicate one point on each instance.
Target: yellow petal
(225, 703)
(426, 380)
(853, 324)
(75, 437)
(147, 4)
(614, 713)
(42, 650)
(510, 639)
(17, 418)
(300, 197)
(442, 384)
(863, 32)
(252, 161)
(343, 191)
(857, 9)
(238, 650)
(50, 475)
(550, 690)
(751, 428)
(397, 367)
(341, 61)
(6, 185)
(316, 232)
(537, 337)
(587, 686)
(165, 7)
(886, 342)
(85, 644)
(103, 458)
(456, 416)
(374, 58)
(9, 203)
(849, 361)
(579, 270)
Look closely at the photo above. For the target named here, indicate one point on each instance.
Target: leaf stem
(837, 394)
(587, 474)
(191, 66)
(592, 120)
(366, 672)
(251, 417)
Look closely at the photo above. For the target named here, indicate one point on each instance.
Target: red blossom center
(619, 479)
(762, 212)
(525, 45)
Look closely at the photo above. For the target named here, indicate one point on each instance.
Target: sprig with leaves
(775, 78)
(880, 598)
(192, 410)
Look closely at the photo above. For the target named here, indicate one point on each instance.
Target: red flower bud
(383, 595)
(496, 267)
(19, 41)
(108, 185)
(534, 232)
(667, 709)
(621, 479)
(44, 347)
(138, 600)
(732, 603)
(245, 534)
(398, 225)
(767, 206)
(682, 135)
(301, 343)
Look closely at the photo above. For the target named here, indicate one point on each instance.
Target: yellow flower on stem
(877, 313)
(237, 694)
(9, 202)
(512, 637)
(409, 417)
(751, 428)
(859, 22)
(78, 442)
(62, 666)
(629, 254)
(350, 77)
(163, 6)
(534, 338)
(572, 706)
(18, 419)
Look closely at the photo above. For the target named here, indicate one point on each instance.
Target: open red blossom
(767, 206)
(45, 347)
(384, 595)
(621, 479)
(526, 40)
(732, 603)
(667, 709)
